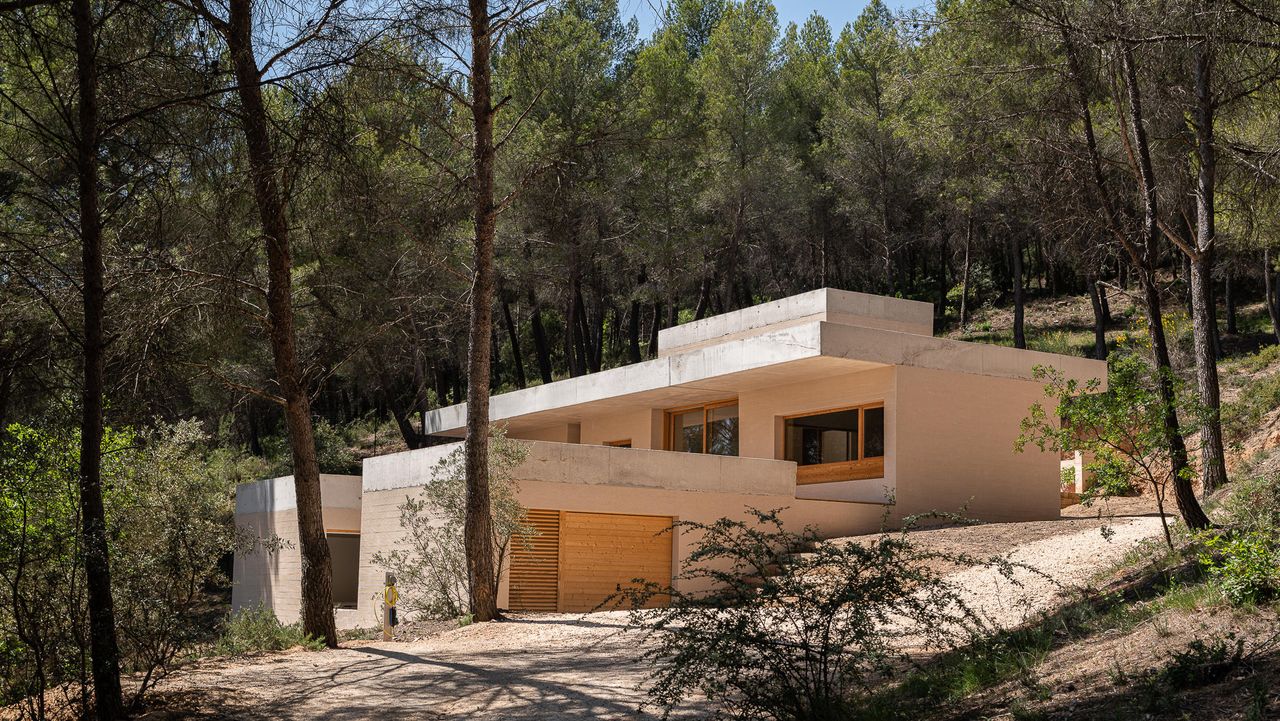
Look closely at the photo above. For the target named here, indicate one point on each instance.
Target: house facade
(842, 407)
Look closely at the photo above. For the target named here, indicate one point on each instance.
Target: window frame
(861, 469)
(669, 429)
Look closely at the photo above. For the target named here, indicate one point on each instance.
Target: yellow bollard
(389, 597)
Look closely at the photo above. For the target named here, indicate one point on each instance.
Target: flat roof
(837, 306)
(808, 350)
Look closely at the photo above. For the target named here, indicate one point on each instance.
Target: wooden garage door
(577, 560)
(535, 564)
(602, 551)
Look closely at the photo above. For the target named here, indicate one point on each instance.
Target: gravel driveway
(566, 666)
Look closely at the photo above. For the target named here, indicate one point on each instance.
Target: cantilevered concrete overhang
(811, 350)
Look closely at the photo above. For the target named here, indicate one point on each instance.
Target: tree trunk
(1203, 311)
(104, 649)
(1099, 319)
(633, 332)
(478, 527)
(653, 329)
(1269, 285)
(513, 337)
(1019, 301)
(1229, 296)
(540, 345)
(964, 283)
(317, 604)
(704, 298)
(1190, 508)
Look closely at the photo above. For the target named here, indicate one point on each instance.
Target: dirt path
(541, 667)
(1066, 553)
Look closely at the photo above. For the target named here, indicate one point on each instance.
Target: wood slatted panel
(602, 551)
(535, 564)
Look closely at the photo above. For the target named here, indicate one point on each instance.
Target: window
(624, 443)
(839, 445)
(712, 428)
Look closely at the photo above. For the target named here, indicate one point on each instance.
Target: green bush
(1244, 564)
(257, 629)
(1060, 342)
(795, 636)
(431, 568)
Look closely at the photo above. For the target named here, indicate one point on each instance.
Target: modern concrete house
(842, 407)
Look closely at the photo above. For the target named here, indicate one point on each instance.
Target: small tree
(432, 569)
(788, 636)
(1120, 429)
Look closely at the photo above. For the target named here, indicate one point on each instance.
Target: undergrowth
(257, 629)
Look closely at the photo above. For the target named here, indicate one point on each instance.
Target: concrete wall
(832, 519)
(825, 304)
(269, 507)
(594, 478)
(955, 437)
(637, 425)
(763, 413)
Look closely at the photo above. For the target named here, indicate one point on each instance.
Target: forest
(256, 233)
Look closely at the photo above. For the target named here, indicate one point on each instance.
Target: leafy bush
(333, 454)
(790, 637)
(169, 522)
(1059, 341)
(1244, 564)
(1253, 504)
(431, 571)
(982, 289)
(1120, 429)
(256, 628)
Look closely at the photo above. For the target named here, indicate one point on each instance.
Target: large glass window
(852, 434)
(704, 429)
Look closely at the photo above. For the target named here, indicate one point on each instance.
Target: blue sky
(837, 12)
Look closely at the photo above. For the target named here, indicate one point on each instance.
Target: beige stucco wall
(595, 478)
(636, 425)
(266, 508)
(831, 518)
(955, 437)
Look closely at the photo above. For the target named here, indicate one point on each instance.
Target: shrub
(1244, 564)
(788, 636)
(256, 629)
(431, 571)
(1058, 341)
(1121, 428)
(169, 521)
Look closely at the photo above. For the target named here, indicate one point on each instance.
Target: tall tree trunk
(964, 283)
(317, 603)
(704, 298)
(1203, 314)
(1229, 296)
(1190, 508)
(478, 526)
(653, 329)
(633, 332)
(541, 347)
(1269, 286)
(1099, 319)
(1019, 301)
(104, 649)
(513, 337)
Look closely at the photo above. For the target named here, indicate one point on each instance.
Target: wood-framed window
(840, 444)
(707, 428)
